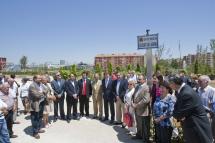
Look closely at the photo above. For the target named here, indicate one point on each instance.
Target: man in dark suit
(85, 89)
(189, 110)
(108, 96)
(58, 85)
(72, 91)
(120, 86)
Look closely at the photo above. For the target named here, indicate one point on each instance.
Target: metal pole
(149, 62)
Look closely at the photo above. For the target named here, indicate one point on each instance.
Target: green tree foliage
(196, 67)
(65, 74)
(174, 64)
(23, 62)
(110, 68)
(129, 67)
(157, 67)
(98, 69)
(73, 69)
(138, 69)
(118, 69)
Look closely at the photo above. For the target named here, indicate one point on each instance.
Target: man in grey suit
(37, 101)
(58, 86)
(141, 103)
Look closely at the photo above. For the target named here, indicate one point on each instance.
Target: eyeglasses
(130, 84)
(58, 75)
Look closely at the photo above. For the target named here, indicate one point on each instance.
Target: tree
(128, 67)
(110, 68)
(157, 67)
(174, 64)
(196, 67)
(212, 44)
(23, 62)
(98, 69)
(118, 69)
(138, 69)
(73, 69)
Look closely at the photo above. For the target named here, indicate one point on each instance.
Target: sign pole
(149, 62)
(148, 42)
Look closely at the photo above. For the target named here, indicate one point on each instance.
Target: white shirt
(117, 87)
(183, 84)
(24, 90)
(128, 96)
(13, 90)
(2, 105)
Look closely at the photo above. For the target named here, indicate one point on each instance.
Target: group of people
(133, 103)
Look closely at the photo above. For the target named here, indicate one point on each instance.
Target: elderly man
(97, 97)
(121, 86)
(189, 110)
(14, 92)
(8, 99)
(58, 86)
(141, 103)
(207, 94)
(37, 93)
(4, 136)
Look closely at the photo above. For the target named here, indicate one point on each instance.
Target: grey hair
(205, 78)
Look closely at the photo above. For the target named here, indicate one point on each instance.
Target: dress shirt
(207, 96)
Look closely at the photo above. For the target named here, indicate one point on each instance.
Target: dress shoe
(55, 119)
(75, 117)
(117, 123)
(100, 118)
(95, 117)
(41, 131)
(136, 137)
(68, 121)
(111, 122)
(13, 136)
(123, 126)
(105, 119)
(63, 118)
(36, 136)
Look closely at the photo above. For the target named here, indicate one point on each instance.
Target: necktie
(84, 88)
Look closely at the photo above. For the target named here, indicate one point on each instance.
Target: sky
(78, 30)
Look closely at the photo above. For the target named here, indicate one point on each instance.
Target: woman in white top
(48, 101)
(128, 108)
(24, 95)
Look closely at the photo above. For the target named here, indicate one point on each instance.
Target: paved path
(77, 131)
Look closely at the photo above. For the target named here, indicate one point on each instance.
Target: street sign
(147, 41)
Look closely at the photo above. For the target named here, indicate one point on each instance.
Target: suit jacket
(35, 96)
(196, 127)
(141, 97)
(97, 90)
(122, 88)
(108, 92)
(70, 89)
(88, 87)
(58, 89)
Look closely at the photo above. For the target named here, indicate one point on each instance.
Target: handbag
(128, 119)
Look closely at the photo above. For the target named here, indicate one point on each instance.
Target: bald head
(10, 81)
(5, 88)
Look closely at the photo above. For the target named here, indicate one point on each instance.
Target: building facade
(121, 60)
(2, 63)
(206, 58)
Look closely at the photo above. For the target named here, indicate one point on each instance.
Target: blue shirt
(207, 96)
(164, 107)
